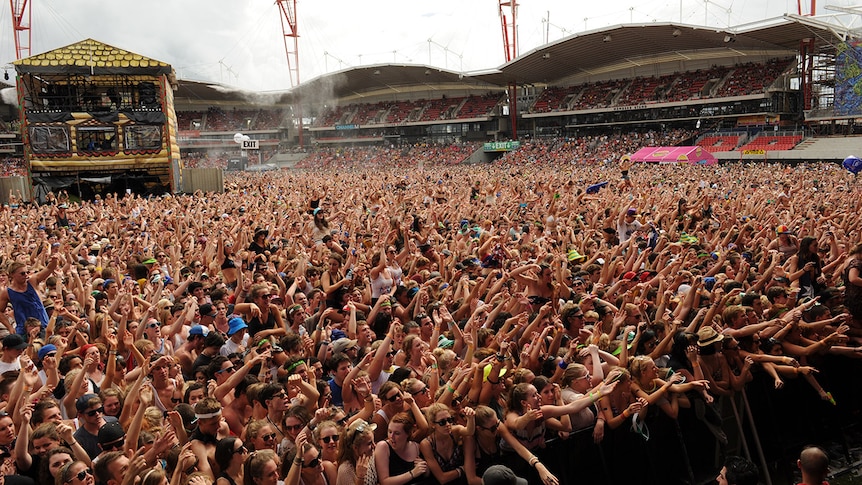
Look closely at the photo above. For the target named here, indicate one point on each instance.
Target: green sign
(501, 146)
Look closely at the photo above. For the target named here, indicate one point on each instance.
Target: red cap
(630, 275)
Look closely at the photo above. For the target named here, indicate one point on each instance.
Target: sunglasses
(330, 439)
(391, 353)
(268, 437)
(153, 325)
(115, 445)
(312, 464)
(227, 369)
(294, 427)
(342, 421)
(241, 450)
(492, 428)
(176, 400)
(445, 421)
(424, 390)
(81, 475)
(95, 412)
(394, 397)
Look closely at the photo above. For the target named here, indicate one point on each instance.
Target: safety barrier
(766, 425)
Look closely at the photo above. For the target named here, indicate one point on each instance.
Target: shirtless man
(161, 382)
(189, 351)
(204, 438)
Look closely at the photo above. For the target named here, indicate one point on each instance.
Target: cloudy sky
(239, 42)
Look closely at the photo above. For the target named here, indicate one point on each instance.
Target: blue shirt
(25, 305)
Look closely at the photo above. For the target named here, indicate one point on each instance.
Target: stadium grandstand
(762, 91)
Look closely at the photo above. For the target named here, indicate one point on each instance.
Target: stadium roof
(625, 46)
(594, 53)
(598, 53)
(377, 79)
(191, 93)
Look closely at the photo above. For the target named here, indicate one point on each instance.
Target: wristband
(433, 366)
(451, 389)
(411, 474)
(626, 413)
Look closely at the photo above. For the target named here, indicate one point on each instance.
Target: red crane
(510, 47)
(287, 9)
(21, 18)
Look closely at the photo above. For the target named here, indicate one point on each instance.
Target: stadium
(93, 118)
(783, 90)
(765, 92)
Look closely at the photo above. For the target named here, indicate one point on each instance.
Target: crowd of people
(557, 322)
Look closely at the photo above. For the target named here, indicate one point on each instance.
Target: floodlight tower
(21, 21)
(806, 51)
(510, 48)
(287, 9)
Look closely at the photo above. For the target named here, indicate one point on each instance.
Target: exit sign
(250, 145)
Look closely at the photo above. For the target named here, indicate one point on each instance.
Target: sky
(239, 43)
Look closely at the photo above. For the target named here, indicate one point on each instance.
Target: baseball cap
(14, 341)
(45, 350)
(782, 229)
(501, 475)
(83, 402)
(632, 212)
(150, 261)
(343, 344)
(630, 275)
(198, 330)
(110, 433)
(207, 310)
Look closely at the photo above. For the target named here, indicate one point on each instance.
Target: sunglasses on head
(330, 439)
(95, 412)
(445, 421)
(342, 421)
(81, 475)
(312, 464)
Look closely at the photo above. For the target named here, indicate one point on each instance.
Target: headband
(295, 365)
(208, 415)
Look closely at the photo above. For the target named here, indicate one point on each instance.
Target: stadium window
(97, 139)
(50, 139)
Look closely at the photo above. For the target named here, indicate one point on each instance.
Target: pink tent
(692, 155)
